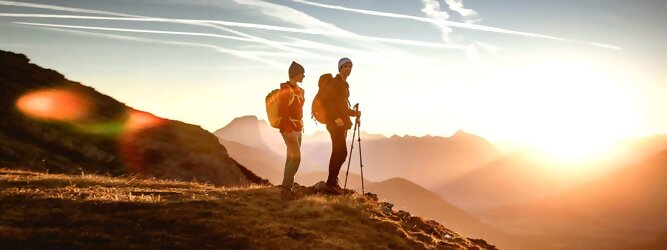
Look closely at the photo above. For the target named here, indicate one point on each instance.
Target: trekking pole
(361, 162)
(349, 160)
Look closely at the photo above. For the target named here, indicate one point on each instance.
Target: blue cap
(343, 61)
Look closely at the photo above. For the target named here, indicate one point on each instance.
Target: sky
(547, 74)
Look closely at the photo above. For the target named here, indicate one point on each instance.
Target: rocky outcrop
(48, 123)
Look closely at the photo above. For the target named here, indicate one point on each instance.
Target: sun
(569, 111)
(580, 112)
(573, 147)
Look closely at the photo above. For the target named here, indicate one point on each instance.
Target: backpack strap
(293, 95)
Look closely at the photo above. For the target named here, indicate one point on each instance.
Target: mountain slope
(514, 178)
(267, 165)
(264, 141)
(93, 212)
(408, 196)
(634, 197)
(522, 176)
(411, 197)
(250, 131)
(623, 208)
(48, 123)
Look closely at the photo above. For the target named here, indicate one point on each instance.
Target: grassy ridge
(46, 211)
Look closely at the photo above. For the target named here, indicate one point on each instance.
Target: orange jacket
(291, 114)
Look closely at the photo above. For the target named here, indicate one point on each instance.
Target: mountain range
(405, 194)
(624, 207)
(428, 160)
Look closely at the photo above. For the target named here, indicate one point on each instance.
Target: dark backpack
(318, 111)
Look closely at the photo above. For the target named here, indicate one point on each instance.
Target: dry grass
(44, 211)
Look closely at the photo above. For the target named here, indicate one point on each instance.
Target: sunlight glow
(570, 111)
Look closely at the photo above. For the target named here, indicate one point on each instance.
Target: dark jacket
(291, 115)
(337, 103)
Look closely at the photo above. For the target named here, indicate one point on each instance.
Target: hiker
(290, 109)
(338, 122)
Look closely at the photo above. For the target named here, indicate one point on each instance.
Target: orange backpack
(271, 102)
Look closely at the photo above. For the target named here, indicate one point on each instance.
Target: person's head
(296, 72)
(345, 66)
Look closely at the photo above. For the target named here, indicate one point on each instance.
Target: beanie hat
(343, 61)
(295, 69)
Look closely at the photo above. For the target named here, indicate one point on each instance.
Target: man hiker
(290, 108)
(338, 122)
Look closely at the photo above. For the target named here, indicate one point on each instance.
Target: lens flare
(111, 129)
(133, 150)
(54, 104)
(78, 110)
(134, 121)
(142, 120)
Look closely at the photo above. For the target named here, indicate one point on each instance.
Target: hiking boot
(287, 195)
(334, 189)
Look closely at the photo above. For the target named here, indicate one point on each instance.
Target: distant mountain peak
(461, 135)
(249, 121)
(246, 119)
(458, 135)
(460, 132)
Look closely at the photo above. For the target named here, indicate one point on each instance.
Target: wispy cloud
(488, 47)
(22, 45)
(299, 18)
(244, 25)
(296, 17)
(127, 17)
(606, 46)
(374, 48)
(269, 43)
(169, 20)
(60, 8)
(293, 16)
(300, 43)
(138, 31)
(433, 11)
(469, 15)
(451, 23)
(250, 55)
(246, 55)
